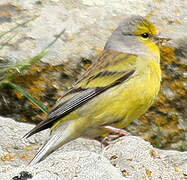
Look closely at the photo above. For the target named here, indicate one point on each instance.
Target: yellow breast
(141, 91)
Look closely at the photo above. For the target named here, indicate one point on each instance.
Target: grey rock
(137, 159)
(126, 158)
(79, 159)
(88, 25)
(16, 151)
(178, 159)
(77, 165)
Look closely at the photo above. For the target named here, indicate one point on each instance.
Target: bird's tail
(58, 137)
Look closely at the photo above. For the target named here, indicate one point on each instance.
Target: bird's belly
(121, 105)
(141, 96)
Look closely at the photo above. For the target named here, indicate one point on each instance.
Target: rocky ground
(129, 158)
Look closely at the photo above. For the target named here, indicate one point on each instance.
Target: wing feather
(84, 90)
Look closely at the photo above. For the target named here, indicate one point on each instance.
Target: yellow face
(146, 31)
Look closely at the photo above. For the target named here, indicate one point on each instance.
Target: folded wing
(111, 69)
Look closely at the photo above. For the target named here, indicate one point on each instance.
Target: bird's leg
(118, 133)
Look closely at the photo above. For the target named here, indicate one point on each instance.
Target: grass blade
(14, 28)
(7, 41)
(27, 65)
(28, 96)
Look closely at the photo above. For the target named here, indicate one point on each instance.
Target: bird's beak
(159, 39)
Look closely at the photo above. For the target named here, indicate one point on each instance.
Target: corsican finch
(119, 87)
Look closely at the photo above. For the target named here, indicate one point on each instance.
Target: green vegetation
(10, 70)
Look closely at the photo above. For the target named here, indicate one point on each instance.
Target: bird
(119, 86)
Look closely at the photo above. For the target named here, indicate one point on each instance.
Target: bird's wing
(111, 69)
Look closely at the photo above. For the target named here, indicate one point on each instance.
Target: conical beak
(160, 39)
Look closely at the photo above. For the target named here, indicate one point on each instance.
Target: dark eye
(145, 35)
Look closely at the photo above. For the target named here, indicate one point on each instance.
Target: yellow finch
(119, 87)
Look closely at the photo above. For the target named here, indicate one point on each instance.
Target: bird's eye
(145, 35)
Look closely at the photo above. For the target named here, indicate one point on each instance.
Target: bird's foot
(118, 133)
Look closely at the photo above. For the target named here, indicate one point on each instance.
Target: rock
(79, 165)
(88, 25)
(137, 159)
(76, 159)
(17, 151)
(129, 158)
(178, 159)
